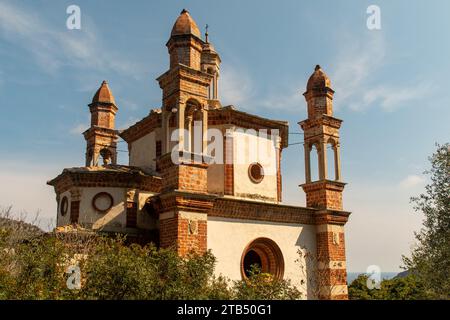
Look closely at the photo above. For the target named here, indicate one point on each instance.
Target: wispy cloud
(411, 181)
(358, 81)
(390, 98)
(79, 129)
(54, 47)
(356, 63)
(235, 86)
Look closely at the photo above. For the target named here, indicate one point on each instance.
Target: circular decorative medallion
(64, 206)
(102, 202)
(256, 172)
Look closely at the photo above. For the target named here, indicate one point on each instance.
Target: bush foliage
(35, 267)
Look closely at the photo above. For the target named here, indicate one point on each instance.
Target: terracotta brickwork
(184, 176)
(251, 210)
(174, 197)
(279, 181)
(143, 127)
(101, 137)
(324, 194)
(183, 234)
(320, 130)
(228, 165)
(332, 273)
(74, 211)
(110, 176)
(131, 221)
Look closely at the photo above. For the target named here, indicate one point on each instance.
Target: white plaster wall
(227, 238)
(143, 151)
(113, 220)
(63, 220)
(248, 149)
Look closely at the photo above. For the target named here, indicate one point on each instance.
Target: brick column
(331, 262)
(184, 205)
(75, 198)
(325, 194)
(183, 231)
(228, 162)
(279, 181)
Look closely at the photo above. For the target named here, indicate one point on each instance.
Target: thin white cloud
(235, 87)
(356, 63)
(128, 123)
(411, 181)
(79, 129)
(357, 81)
(54, 47)
(390, 98)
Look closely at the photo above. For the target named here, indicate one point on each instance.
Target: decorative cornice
(261, 211)
(331, 217)
(92, 177)
(142, 127)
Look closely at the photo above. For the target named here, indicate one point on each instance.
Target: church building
(203, 176)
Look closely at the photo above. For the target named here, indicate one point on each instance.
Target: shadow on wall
(307, 264)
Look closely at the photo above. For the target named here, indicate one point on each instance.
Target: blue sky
(391, 92)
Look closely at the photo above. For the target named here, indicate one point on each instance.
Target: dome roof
(318, 79)
(103, 94)
(185, 25)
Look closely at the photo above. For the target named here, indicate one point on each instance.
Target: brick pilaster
(331, 260)
(184, 231)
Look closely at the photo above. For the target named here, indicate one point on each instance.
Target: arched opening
(212, 85)
(265, 254)
(106, 155)
(331, 156)
(193, 124)
(314, 162)
(251, 259)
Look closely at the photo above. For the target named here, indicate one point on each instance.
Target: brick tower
(185, 103)
(321, 132)
(101, 137)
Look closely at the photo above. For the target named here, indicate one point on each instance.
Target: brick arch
(270, 255)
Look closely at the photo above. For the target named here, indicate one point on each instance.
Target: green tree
(33, 265)
(404, 288)
(263, 286)
(430, 259)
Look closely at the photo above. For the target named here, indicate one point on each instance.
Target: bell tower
(101, 137)
(321, 134)
(184, 115)
(210, 63)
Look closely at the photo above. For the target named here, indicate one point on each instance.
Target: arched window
(264, 254)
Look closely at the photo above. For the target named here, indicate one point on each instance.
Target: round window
(256, 172)
(102, 202)
(64, 206)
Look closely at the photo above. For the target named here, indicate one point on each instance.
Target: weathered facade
(224, 192)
